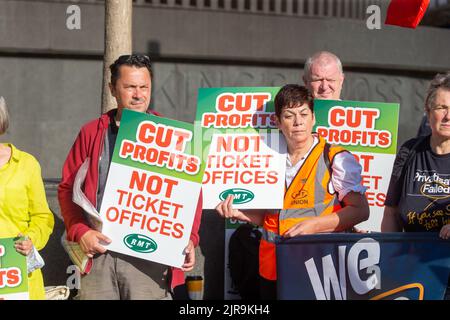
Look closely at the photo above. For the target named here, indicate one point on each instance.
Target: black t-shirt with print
(422, 191)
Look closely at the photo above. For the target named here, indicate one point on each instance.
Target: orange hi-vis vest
(307, 196)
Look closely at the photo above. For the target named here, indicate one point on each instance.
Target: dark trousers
(268, 289)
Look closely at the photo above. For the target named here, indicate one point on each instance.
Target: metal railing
(435, 4)
(353, 9)
(51, 186)
(349, 9)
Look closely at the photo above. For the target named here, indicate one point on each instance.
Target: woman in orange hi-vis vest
(316, 200)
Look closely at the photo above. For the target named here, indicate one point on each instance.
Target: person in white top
(296, 124)
(346, 174)
(335, 199)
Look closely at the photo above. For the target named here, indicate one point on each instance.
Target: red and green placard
(13, 272)
(369, 130)
(246, 153)
(246, 156)
(152, 189)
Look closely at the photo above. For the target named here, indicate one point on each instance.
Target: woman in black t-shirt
(418, 197)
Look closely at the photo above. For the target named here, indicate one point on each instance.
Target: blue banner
(375, 266)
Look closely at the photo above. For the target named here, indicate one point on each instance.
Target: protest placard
(13, 272)
(246, 155)
(152, 189)
(246, 152)
(369, 131)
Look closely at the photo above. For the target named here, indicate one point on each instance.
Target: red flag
(406, 13)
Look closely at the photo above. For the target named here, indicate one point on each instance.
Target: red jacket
(89, 143)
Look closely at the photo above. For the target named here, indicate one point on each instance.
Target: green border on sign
(388, 120)
(128, 128)
(207, 103)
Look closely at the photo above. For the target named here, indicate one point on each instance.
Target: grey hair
(440, 81)
(4, 116)
(316, 56)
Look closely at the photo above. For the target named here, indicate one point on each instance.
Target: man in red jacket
(112, 275)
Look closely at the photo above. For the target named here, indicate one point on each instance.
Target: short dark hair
(132, 60)
(440, 81)
(291, 96)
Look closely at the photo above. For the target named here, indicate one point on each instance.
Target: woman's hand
(445, 232)
(225, 210)
(189, 261)
(308, 226)
(357, 230)
(25, 246)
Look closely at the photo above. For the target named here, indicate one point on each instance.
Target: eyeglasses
(441, 109)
